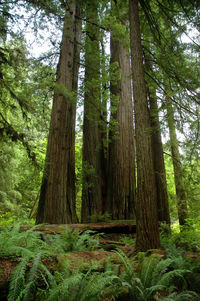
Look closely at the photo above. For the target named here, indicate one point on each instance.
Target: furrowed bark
(57, 196)
(147, 236)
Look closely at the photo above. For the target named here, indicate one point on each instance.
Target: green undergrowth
(9, 218)
(183, 239)
(143, 277)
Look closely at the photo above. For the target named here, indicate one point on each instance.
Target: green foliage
(146, 278)
(153, 275)
(183, 296)
(29, 246)
(70, 241)
(186, 239)
(78, 171)
(171, 187)
(95, 218)
(24, 115)
(128, 240)
(14, 242)
(91, 286)
(61, 90)
(119, 31)
(31, 249)
(23, 284)
(10, 218)
(18, 280)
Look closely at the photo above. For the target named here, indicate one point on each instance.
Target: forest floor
(112, 236)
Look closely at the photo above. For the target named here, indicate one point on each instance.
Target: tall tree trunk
(147, 236)
(158, 157)
(92, 182)
(121, 158)
(57, 196)
(178, 170)
(103, 125)
(159, 164)
(4, 18)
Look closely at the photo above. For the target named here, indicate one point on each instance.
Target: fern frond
(183, 296)
(153, 289)
(97, 284)
(148, 266)
(63, 291)
(17, 282)
(160, 269)
(130, 278)
(128, 263)
(167, 278)
(32, 277)
(47, 277)
(135, 289)
(16, 243)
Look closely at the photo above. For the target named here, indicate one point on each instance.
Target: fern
(160, 269)
(29, 246)
(148, 267)
(139, 281)
(32, 277)
(16, 243)
(157, 275)
(23, 284)
(128, 263)
(183, 296)
(99, 284)
(146, 279)
(17, 282)
(168, 277)
(83, 287)
(70, 241)
(61, 290)
(129, 277)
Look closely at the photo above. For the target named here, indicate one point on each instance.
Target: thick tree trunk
(92, 175)
(57, 196)
(178, 170)
(158, 157)
(103, 126)
(121, 158)
(147, 236)
(159, 165)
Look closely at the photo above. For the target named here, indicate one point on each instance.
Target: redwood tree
(121, 158)
(176, 160)
(57, 196)
(158, 159)
(147, 236)
(92, 154)
(158, 156)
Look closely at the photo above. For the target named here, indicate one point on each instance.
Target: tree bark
(103, 125)
(121, 154)
(176, 160)
(92, 146)
(57, 196)
(147, 236)
(4, 19)
(158, 157)
(159, 165)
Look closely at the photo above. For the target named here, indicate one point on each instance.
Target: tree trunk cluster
(115, 180)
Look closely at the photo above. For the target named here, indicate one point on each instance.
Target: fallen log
(107, 228)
